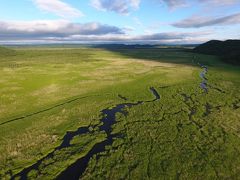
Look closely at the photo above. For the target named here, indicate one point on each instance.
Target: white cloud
(137, 21)
(129, 29)
(135, 3)
(118, 6)
(58, 8)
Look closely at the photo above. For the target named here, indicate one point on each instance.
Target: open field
(118, 114)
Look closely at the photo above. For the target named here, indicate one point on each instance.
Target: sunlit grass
(63, 89)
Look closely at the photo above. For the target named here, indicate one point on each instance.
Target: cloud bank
(64, 31)
(58, 28)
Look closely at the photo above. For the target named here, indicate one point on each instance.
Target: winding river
(75, 170)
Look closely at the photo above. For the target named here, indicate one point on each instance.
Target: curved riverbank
(77, 169)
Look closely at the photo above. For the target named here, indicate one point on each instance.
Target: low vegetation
(6, 52)
(49, 93)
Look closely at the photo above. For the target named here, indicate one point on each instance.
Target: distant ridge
(228, 50)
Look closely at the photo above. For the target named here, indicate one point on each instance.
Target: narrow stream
(203, 84)
(75, 170)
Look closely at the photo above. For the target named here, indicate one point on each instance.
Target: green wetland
(118, 113)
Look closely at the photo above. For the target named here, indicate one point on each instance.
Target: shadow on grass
(172, 54)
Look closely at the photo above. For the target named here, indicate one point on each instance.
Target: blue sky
(118, 21)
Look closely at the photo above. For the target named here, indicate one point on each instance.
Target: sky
(118, 21)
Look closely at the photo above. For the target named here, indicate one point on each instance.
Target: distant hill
(6, 51)
(228, 50)
(123, 46)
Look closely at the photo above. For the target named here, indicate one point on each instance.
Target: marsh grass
(186, 134)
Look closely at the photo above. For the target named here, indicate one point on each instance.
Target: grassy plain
(187, 134)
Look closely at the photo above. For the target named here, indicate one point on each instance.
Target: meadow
(117, 113)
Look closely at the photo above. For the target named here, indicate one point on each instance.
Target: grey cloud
(197, 22)
(173, 36)
(220, 2)
(118, 6)
(45, 29)
(173, 4)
